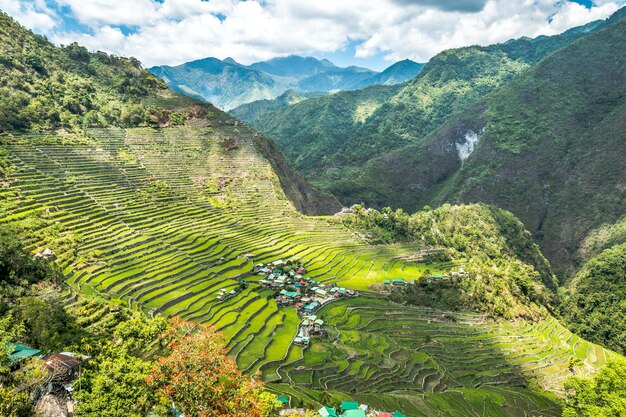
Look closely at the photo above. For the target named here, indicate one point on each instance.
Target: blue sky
(369, 33)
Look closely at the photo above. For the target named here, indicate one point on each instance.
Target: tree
(9, 333)
(14, 404)
(116, 388)
(603, 396)
(47, 323)
(201, 381)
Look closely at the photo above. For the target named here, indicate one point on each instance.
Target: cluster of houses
(294, 289)
(451, 277)
(310, 325)
(47, 254)
(347, 409)
(223, 294)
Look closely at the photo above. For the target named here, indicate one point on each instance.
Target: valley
(180, 262)
(140, 215)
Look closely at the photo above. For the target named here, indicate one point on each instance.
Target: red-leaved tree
(200, 380)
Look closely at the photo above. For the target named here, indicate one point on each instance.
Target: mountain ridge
(538, 148)
(229, 84)
(391, 157)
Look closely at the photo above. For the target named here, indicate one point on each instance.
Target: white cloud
(32, 14)
(176, 31)
(105, 12)
(429, 32)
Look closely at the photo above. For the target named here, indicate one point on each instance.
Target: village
(292, 288)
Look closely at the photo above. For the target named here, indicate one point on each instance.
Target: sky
(369, 33)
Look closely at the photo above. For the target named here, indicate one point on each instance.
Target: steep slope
(549, 147)
(450, 82)
(594, 308)
(311, 132)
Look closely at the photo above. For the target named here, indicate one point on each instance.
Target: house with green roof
(321, 292)
(19, 353)
(353, 413)
(349, 405)
(301, 341)
(397, 414)
(327, 412)
(311, 307)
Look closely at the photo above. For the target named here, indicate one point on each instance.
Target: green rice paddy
(136, 214)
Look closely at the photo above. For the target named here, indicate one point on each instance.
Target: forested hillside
(510, 276)
(44, 87)
(343, 131)
(549, 146)
(309, 144)
(595, 307)
(250, 111)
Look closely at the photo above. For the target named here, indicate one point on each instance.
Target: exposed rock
(52, 406)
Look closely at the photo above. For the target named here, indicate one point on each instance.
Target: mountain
(548, 146)
(369, 161)
(228, 84)
(295, 67)
(342, 131)
(398, 73)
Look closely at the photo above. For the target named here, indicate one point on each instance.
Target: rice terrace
(228, 208)
(139, 216)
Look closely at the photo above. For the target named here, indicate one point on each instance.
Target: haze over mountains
(228, 84)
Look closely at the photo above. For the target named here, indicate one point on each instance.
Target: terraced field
(162, 219)
(419, 357)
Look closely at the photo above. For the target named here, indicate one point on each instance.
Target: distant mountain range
(228, 84)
